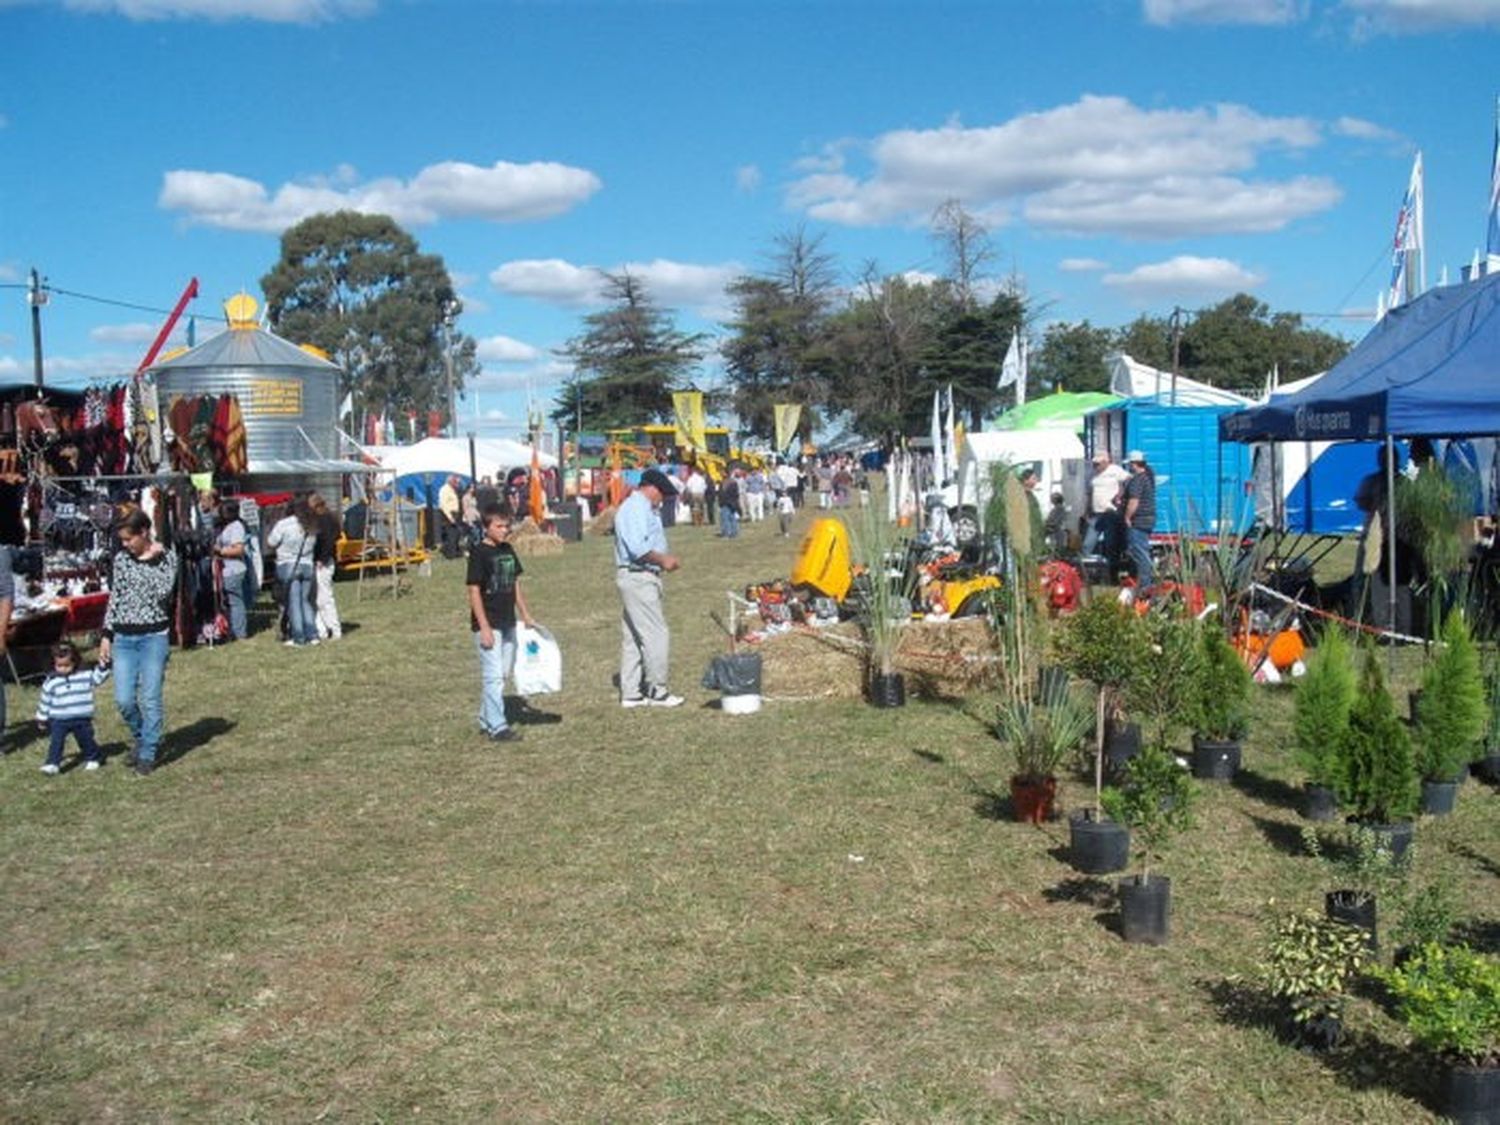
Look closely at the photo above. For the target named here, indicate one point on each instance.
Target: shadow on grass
(1269, 790)
(930, 756)
(1360, 1061)
(1285, 838)
(523, 714)
(993, 806)
(1484, 862)
(184, 740)
(1482, 935)
(1087, 889)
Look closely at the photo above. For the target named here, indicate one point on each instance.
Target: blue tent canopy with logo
(1430, 368)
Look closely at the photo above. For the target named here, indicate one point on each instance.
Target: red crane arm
(166, 329)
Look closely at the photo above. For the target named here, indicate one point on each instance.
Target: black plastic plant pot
(1145, 909)
(1214, 760)
(1396, 838)
(1122, 741)
(1439, 797)
(1471, 1095)
(1319, 802)
(1317, 1035)
(1487, 768)
(1349, 908)
(1097, 847)
(888, 690)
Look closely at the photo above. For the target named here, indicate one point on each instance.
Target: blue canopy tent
(1429, 368)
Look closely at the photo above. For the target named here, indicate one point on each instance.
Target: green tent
(1058, 411)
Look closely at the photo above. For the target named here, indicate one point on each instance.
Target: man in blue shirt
(641, 557)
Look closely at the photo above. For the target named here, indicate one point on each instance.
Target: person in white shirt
(694, 490)
(1102, 535)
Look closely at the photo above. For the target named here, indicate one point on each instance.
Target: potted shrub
(1487, 765)
(1105, 643)
(1320, 720)
(1220, 707)
(1376, 777)
(1154, 803)
(1450, 717)
(1040, 735)
(1449, 997)
(1310, 962)
(1366, 872)
(883, 607)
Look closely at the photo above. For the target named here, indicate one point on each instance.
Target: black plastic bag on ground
(735, 674)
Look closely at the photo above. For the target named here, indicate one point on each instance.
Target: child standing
(494, 587)
(784, 512)
(67, 706)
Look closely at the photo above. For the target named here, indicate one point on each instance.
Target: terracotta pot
(1033, 798)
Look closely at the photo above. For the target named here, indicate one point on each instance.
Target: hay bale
(603, 523)
(940, 660)
(530, 541)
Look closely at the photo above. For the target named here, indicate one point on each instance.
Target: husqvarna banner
(788, 414)
(687, 411)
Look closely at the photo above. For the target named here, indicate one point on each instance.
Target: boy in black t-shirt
(494, 584)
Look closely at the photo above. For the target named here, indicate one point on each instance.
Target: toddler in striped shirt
(67, 707)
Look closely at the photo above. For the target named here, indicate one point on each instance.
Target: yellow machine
(823, 561)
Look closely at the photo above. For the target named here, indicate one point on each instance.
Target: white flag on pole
(1010, 368)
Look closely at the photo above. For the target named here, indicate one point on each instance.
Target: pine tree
(1451, 716)
(1378, 772)
(1324, 697)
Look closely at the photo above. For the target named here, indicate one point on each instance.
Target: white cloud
(9, 271)
(1265, 13)
(462, 280)
(124, 333)
(9, 366)
(668, 283)
(540, 379)
(269, 11)
(747, 178)
(1082, 265)
(1185, 276)
(1362, 130)
(503, 349)
(1098, 154)
(1180, 206)
(1398, 17)
(501, 193)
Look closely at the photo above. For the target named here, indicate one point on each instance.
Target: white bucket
(740, 704)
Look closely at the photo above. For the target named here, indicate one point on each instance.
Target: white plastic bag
(538, 669)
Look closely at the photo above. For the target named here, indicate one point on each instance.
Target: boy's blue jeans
(81, 729)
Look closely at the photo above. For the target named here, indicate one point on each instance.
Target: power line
(106, 300)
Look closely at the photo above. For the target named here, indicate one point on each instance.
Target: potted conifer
(1323, 699)
(1105, 643)
(1155, 802)
(1487, 766)
(1220, 705)
(1449, 996)
(1450, 717)
(1376, 777)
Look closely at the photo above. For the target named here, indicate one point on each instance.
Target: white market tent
(1132, 379)
(1057, 455)
(493, 457)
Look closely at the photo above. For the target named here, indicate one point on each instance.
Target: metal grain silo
(288, 398)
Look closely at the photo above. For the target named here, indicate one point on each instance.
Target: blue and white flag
(1406, 249)
(1493, 246)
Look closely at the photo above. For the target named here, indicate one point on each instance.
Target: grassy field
(336, 902)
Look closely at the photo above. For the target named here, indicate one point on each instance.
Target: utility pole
(36, 297)
(451, 308)
(1176, 348)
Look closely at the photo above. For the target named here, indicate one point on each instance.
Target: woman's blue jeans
(140, 666)
(298, 584)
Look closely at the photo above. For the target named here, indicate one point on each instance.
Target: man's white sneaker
(663, 698)
(628, 703)
(91, 764)
(50, 770)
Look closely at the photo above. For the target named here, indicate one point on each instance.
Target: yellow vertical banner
(788, 414)
(687, 411)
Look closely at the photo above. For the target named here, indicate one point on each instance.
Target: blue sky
(1127, 155)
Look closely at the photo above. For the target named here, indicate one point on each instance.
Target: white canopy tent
(1132, 379)
(1057, 455)
(493, 457)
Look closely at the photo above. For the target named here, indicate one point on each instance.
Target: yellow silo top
(240, 311)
